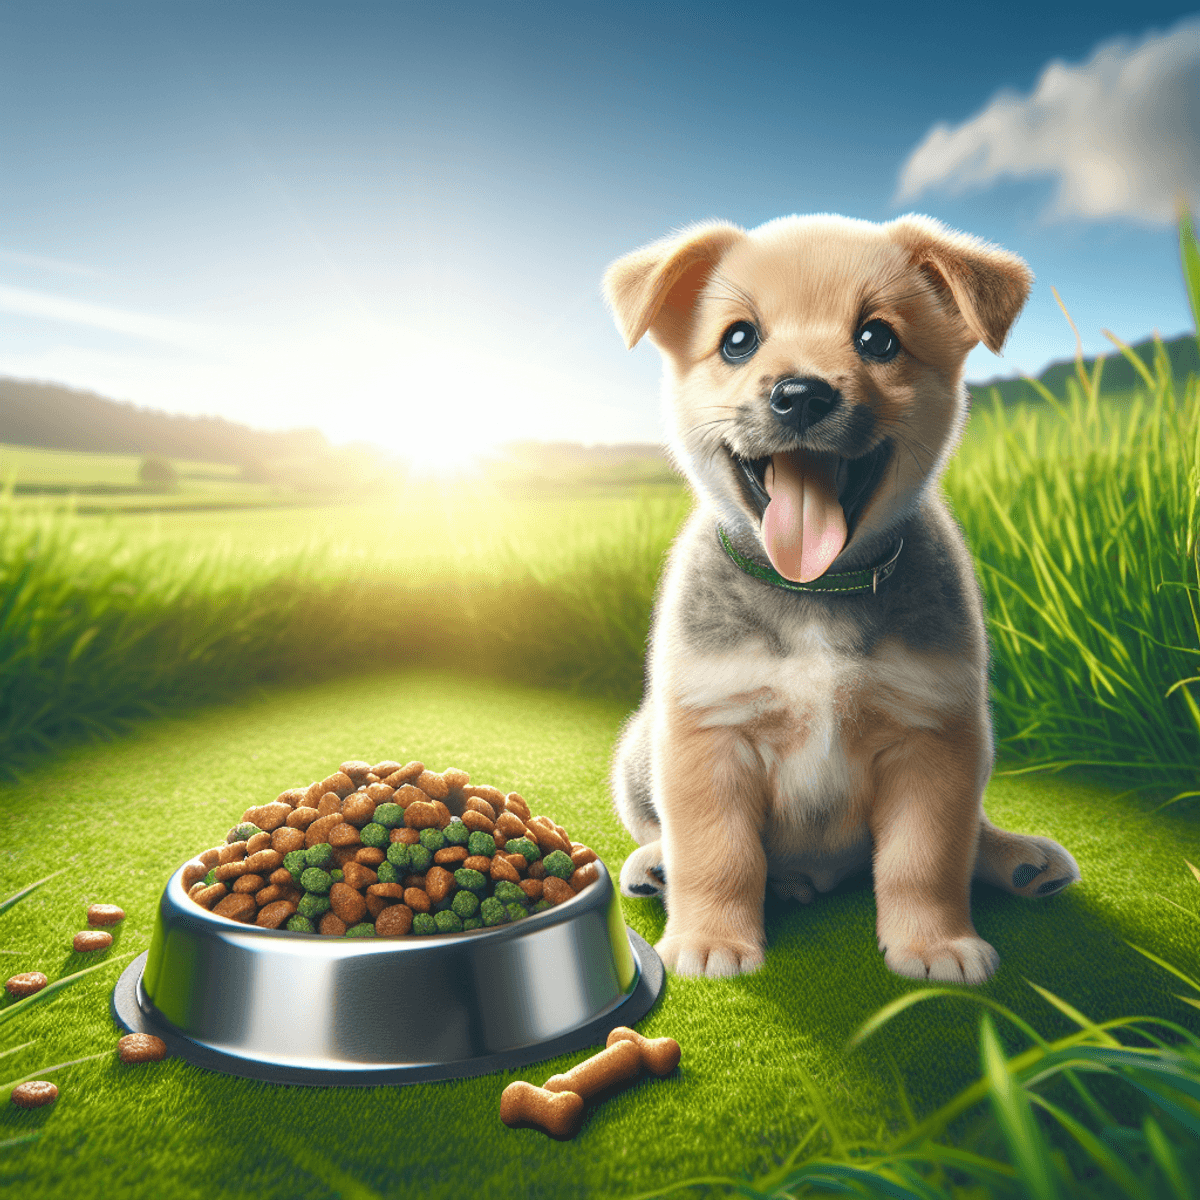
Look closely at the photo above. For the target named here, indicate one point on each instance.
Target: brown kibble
(547, 835)
(433, 785)
(332, 925)
(282, 877)
(388, 891)
(196, 889)
(318, 831)
(28, 983)
(537, 870)
(510, 825)
(341, 785)
(376, 905)
(248, 883)
(617, 1064)
(414, 881)
(210, 895)
(331, 802)
(210, 858)
(475, 804)
(532, 888)
(344, 854)
(264, 861)
(345, 834)
(359, 809)
(439, 883)
(34, 1094)
(473, 820)
(395, 921)
(370, 777)
(450, 854)
(583, 856)
(503, 869)
(302, 817)
(385, 768)
(558, 1114)
(269, 816)
(499, 838)
(358, 876)
(443, 813)
(356, 769)
(92, 940)
(456, 778)
(237, 907)
(380, 793)
(407, 794)
(517, 862)
(369, 856)
(584, 875)
(230, 871)
(232, 853)
(274, 914)
(515, 803)
(478, 862)
(141, 1047)
(659, 1055)
(416, 899)
(556, 890)
(286, 839)
(192, 872)
(347, 903)
(268, 895)
(494, 797)
(260, 841)
(293, 797)
(104, 914)
(421, 815)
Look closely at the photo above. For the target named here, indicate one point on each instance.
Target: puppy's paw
(958, 960)
(642, 873)
(1033, 866)
(712, 956)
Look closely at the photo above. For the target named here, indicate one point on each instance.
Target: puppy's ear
(989, 285)
(654, 288)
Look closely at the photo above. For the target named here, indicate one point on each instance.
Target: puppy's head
(813, 368)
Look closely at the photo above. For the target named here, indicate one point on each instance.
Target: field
(466, 620)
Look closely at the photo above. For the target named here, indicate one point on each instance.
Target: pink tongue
(803, 528)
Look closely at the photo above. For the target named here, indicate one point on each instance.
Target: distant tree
(158, 472)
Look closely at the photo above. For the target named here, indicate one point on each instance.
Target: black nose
(801, 403)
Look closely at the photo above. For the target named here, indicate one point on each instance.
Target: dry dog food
(141, 1047)
(92, 939)
(28, 983)
(547, 1108)
(104, 914)
(34, 1094)
(389, 850)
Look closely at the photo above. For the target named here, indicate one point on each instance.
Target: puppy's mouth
(809, 504)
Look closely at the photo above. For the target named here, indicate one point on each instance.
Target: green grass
(766, 1058)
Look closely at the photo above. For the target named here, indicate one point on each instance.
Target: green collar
(867, 580)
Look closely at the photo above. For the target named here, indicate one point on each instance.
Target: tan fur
(808, 741)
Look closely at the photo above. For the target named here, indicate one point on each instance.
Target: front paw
(711, 955)
(955, 960)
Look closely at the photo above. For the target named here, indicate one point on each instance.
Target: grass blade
(5, 905)
(22, 1006)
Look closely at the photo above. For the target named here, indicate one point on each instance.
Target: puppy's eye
(876, 342)
(740, 341)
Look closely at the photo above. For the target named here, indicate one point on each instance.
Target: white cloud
(1121, 133)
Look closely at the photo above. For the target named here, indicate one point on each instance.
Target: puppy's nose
(800, 403)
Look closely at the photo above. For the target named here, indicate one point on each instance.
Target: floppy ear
(989, 285)
(654, 288)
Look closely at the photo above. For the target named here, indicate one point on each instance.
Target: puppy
(816, 698)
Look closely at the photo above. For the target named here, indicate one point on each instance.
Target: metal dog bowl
(302, 1008)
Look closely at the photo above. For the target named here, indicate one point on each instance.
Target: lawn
(122, 817)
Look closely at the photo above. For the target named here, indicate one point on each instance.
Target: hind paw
(1034, 867)
(642, 874)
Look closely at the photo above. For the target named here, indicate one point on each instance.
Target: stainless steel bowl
(302, 1008)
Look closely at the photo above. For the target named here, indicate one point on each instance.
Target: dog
(816, 695)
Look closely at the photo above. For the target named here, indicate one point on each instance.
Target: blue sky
(390, 220)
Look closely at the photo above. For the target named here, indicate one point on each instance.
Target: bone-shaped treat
(659, 1055)
(619, 1063)
(556, 1113)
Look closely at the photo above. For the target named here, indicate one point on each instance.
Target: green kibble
(540, 906)
(507, 892)
(337, 877)
(298, 924)
(390, 816)
(387, 873)
(492, 912)
(398, 856)
(559, 864)
(295, 861)
(481, 843)
(448, 921)
(316, 880)
(465, 904)
(515, 911)
(364, 929)
(210, 878)
(472, 923)
(313, 905)
(374, 834)
(456, 833)
(244, 832)
(319, 855)
(424, 923)
(472, 880)
(419, 859)
(522, 846)
(432, 840)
